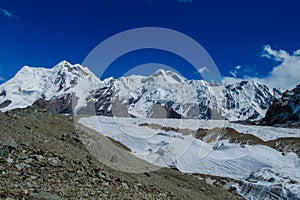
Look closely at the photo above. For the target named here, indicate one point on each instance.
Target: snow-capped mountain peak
(162, 92)
(165, 77)
(191, 98)
(31, 83)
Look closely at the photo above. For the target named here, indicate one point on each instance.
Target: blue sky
(246, 39)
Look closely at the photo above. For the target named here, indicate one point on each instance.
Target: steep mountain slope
(164, 94)
(30, 84)
(285, 109)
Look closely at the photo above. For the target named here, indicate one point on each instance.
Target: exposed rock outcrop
(285, 109)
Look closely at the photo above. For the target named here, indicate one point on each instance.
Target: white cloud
(235, 71)
(270, 53)
(285, 75)
(1, 77)
(6, 13)
(297, 52)
(238, 67)
(203, 70)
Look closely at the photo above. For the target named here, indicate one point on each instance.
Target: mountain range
(261, 162)
(68, 88)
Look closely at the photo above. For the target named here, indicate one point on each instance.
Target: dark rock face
(100, 101)
(161, 111)
(285, 109)
(5, 103)
(61, 105)
(104, 100)
(3, 93)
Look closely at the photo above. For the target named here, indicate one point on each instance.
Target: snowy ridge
(194, 99)
(30, 84)
(163, 94)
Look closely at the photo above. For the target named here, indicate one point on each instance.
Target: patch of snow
(219, 158)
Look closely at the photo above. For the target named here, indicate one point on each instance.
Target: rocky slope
(163, 94)
(285, 110)
(42, 157)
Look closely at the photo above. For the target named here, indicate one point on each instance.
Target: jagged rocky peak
(285, 109)
(65, 67)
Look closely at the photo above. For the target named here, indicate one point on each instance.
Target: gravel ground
(42, 157)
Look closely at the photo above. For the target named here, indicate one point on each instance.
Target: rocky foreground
(41, 157)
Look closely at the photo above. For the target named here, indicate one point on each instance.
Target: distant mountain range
(70, 88)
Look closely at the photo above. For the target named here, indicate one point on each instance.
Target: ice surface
(219, 158)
